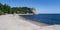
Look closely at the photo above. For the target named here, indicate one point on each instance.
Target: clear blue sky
(42, 6)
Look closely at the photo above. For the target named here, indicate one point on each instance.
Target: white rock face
(52, 27)
(10, 22)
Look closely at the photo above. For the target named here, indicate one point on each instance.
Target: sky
(41, 6)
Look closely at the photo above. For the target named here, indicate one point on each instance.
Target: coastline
(35, 22)
(38, 23)
(14, 22)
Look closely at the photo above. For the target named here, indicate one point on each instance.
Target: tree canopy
(4, 8)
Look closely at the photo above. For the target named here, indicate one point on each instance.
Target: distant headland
(6, 9)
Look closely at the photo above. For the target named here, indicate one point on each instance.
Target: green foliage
(18, 10)
(22, 10)
(1, 12)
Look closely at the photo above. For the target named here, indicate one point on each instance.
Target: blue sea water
(45, 18)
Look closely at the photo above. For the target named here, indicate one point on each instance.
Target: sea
(44, 18)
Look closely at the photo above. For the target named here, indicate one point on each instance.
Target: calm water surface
(44, 18)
